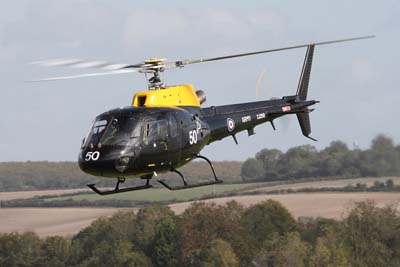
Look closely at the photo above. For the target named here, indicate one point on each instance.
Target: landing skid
(118, 190)
(186, 185)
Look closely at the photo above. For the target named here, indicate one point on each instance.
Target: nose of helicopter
(110, 165)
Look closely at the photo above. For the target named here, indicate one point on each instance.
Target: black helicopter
(166, 127)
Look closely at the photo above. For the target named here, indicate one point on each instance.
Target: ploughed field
(328, 205)
(69, 221)
(31, 194)
(50, 221)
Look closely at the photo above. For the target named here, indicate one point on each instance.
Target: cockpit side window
(136, 129)
(173, 126)
(163, 129)
(156, 130)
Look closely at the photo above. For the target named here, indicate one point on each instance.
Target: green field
(162, 194)
(369, 181)
(157, 195)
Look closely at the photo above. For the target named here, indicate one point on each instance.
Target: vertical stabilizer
(302, 91)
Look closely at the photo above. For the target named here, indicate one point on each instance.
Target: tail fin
(302, 88)
(302, 91)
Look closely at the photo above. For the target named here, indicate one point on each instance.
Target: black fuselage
(138, 141)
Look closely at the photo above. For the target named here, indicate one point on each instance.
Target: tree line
(24, 176)
(336, 160)
(207, 235)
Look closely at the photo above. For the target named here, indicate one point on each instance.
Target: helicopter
(166, 127)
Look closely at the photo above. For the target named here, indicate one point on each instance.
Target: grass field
(163, 194)
(320, 184)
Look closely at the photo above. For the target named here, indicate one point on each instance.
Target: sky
(357, 82)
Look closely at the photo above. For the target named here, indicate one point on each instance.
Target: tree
(116, 254)
(372, 236)
(87, 241)
(199, 225)
(146, 223)
(123, 225)
(55, 252)
(283, 251)
(337, 147)
(252, 169)
(352, 163)
(19, 250)
(329, 252)
(312, 228)
(218, 253)
(298, 162)
(165, 247)
(269, 158)
(382, 159)
(332, 159)
(260, 222)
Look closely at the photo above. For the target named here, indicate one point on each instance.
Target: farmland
(162, 194)
(328, 183)
(69, 221)
(38, 193)
(48, 222)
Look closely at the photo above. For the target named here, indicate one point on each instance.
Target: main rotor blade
(187, 62)
(154, 65)
(86, 75)
(81, 64)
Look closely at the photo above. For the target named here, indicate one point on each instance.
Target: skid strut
(118, 190)
(185, 184)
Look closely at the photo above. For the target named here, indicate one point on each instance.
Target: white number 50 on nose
(92, 156)
(192, 137)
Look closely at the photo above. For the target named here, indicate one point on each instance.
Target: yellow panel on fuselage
(172, 96)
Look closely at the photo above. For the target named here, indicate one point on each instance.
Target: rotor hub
(155, 60)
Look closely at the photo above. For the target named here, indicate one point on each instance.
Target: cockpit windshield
(114, 131)
(99, 126)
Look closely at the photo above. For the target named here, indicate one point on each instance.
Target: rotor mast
(156, 66)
